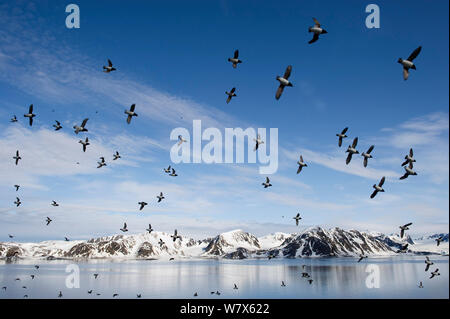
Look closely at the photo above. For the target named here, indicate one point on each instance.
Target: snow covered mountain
(236, 244)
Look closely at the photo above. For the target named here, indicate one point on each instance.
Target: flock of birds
(284, 82)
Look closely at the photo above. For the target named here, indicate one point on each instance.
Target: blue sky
(172, 62)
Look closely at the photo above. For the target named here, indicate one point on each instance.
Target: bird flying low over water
(30, 114)
(48, 221)
(351, 150)
(14, 119)
(81, 128)
(124, 229)
(403, 228)
(408, 63)
(116, 156)
(235, 59)
(301, 164)
(378, 188)
(160, 197)
(409, 158)
(258, 141)
(17, 202)
(317, 30)
(435, 273)
(149, 229)
(142, 205)
(283, 81)
(342, 136)
(267, 183)
(17, 157)
(131, 113)
(367, 155)
(230, 94)
(175, 236)
(361, 257)
(428, 263)
(297, 218)
(438, 240)
(102, 162)
(57, 126)
(109, 68)
(408, 171)
(84, 143)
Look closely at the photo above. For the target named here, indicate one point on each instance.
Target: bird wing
(370, 149)
(232, 90)
(279, 91)
(382, 181)
(365, 161)
(414, 54)
(236, 54)
(287, 73)
(427, 267)
(409, 224)
(340, 141)
(132, 107)
(410, 165)
(316, 23)
(405, 73)
(228, 99)
(124, 225)
(301, 158)
(129, 119)
(31, 121)
(374, 194)
(267, 180)
(401, 233)
(349, 158)
(411, 153)
(110, 63)
(314, 39)
(299, 169)
(30, 109)
(355, 141)
(84, 122)
(344, 130)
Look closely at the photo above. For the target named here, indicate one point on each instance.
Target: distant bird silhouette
(17, 157)
(17, 187)
(297, 218)
(161, 243)
(283, 284)
(301, 164)
(317, 30)
(167, 170)
(101, 163)
(342, 136)
(84, 143)
(310, 281)
(439, 240)
(420, 285)
(116, 156)
(258, 141)
(428, 263)
(408, 63)
(81, 128)
(181, 140)
(89, 292)
(283, 81)
(435, 273)
(17, 202)
(54, 204)
(124, 229)
(109, 68)
(57, 126)
(403, 228)
(409, 158)
(351, 150)
(160, 197)
(115, 295)
(30, 114)
(131, 113)
(367, 155)
(408, 171)
(235, 286)
(267, 183)
(149, 229)
(175, 236)
(48, 221)
(235, 59)
(66, 239)
(14, 119)
(173, 173)
(305, 275)
(142, 205)
(195, 294)
(36, 266)
(171, 258)
(95, 276)
(4, 288)
(60, 294)
(10, 236)
(361, 257)
(378, 188)
(138, 296)
(32, 276)
(230, 94)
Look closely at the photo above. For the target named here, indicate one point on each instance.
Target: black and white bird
(57, 126)
(175, 236)
(301, 164)
(48, 221)
(258, 141)
(235, 59)
(160, 197)
(420, 285)
(342, 136)
(149, 229)
(404, 249)
(54, 203)
(435, 273)
(102, 162)
(367, 155)
(85, 143)
(173, 173)
(14, 119)
(409, 158)
(181, 140)
(408, 63)
(230, 94)
(361, 257)
(124, 228)
(109, 68)
(17, 187)
(131, 113)
(116, 156)
(167, 170)
(30, 114)
(81, 128)
(142, 205)
(17, 157)
(317, 30)
(283, 81)
(351, 150)
(267, 183)
(408, 171)
(438, 240)
(17, 202)
(66, 239)
(297, 218)
(428, 263)
(161, 243)
(378, 188)
(403, 228)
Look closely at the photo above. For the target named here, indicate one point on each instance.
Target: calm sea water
(332, 278)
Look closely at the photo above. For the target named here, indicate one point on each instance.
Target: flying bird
(428, 263)
(173, 173)
(180, 140)
(17, 187)
(378, 188)
(420, 285)
(32, 276)
(317, 30)
(297, 218)
(54, 204)
(408, 63)
(142, 205)
(10, 236)
(124, 229)
(167, 170)
(403, 228)
(131, 113)
(116, 156)
(17, 157)
(351, 150)
(102, 162)
(48, 221)
(138, 296)
(435, 273)
(89, 292)
(95, 276)
(84, 143)
(115, 295)
(438, 240)
(283, 81)
(57, 126)
(160, 197)
(66, 239)
(17, 202)
(361, 257)
(342, 136)
(175, 236)
(149, 229)
(409, 158)
(235, 59)
(367, 155)
(301, 164)
(14, 119)
(30, 114)
(310, 281)
(230, 94)
(267, 183)
(161, 243)
(235, 286)
(408, 171)
(36, 266)
(81, 128)
(258, 141)
(283, 284)
(109, 68)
